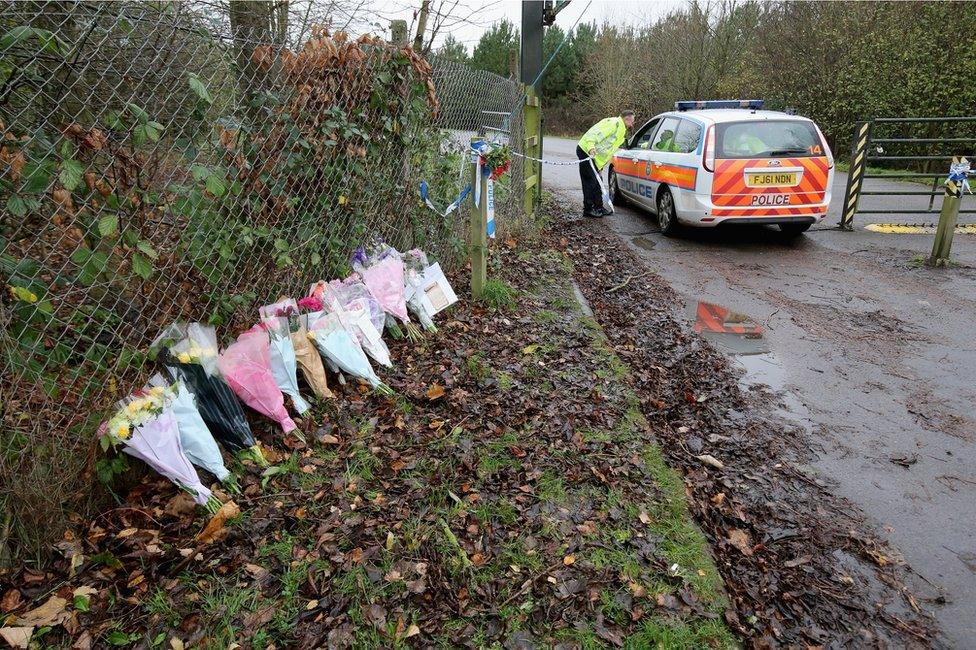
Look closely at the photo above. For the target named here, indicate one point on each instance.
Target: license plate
(771, 179)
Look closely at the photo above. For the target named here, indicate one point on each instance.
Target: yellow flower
(157, 391)
(122, 432)
(183, 357)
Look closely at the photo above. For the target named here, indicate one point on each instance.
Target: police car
(715, 162)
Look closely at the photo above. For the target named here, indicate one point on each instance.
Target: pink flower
(311, 303)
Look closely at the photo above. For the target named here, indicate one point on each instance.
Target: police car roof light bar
(691, 105)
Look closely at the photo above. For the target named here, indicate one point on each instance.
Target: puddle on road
(739, 335)
(643, 243)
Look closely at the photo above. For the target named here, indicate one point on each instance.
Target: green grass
(498, 295)
(845, 166)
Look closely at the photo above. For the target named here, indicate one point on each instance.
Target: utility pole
(535, 17)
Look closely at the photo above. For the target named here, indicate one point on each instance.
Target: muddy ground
(872, 356)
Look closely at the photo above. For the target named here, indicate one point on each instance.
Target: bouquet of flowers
(189, 353)
(496, 162)
(343, 350)
(307, 357)
(348, 290)
(381, 271)
(198, 444)
(146, 428)
(277, 320)
(355, 316)
(428, 290)
(246, 365)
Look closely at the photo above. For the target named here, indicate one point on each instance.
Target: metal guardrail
(924, 149)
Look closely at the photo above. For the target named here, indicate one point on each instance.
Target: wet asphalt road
(874, 354)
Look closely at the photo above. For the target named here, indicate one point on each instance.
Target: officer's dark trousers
(592, 194)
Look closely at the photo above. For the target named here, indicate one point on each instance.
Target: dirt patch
(802, 567)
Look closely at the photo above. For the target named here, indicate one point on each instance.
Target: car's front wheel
(616, 195)
(667, 218)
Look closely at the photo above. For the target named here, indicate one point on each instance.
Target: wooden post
(479, 231)
(948, 217)
(398, 32)
(533, 169)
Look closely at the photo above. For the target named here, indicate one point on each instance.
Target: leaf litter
(801, 565)
(508, 494)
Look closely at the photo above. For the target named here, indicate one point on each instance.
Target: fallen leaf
(530, 349)
(740, 540)
(478, 559)
(708, 459)
(215, 527)
(50, 613)
(644, 517)
(11, 600)
(180, 505)
(17, 637)
(718, 499)
(413, 630)
(176, 643)
(569, 559)
(436, 391)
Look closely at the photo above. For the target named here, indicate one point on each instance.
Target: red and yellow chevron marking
(673, 175)
(714, 318)
(729, 189)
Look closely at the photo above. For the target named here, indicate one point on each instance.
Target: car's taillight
(830, 155)
(708, 154)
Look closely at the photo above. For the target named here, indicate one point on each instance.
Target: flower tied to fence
(958, 182)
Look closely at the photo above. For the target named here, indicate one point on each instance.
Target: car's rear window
(767, 139)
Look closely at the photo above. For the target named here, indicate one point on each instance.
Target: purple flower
(359, 257)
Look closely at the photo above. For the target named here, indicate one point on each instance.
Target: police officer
(600, 143)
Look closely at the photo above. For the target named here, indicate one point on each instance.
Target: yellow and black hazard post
(855, 174)
(949, 214)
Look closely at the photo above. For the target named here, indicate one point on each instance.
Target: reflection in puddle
(740, 335)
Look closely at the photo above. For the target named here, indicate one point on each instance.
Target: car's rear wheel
(793, 229)
(616, 195)
(667, 218)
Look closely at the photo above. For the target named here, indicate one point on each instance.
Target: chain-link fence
(168, 161)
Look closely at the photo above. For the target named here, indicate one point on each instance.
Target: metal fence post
(533, 169)
(948, 217)
(479, 227)
(855, 174)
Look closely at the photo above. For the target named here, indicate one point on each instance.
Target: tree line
(835, 62)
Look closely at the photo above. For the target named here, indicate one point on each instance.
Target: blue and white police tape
(544, 161)
(425, 195)
(959, 171)
(607, 201)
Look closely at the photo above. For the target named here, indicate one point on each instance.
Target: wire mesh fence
(163, 162)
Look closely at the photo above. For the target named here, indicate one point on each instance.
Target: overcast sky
(474, 17)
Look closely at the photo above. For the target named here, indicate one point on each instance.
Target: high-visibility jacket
(605, 136)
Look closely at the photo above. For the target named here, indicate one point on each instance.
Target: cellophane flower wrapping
(340, 347)
(196, 439)
(382, 273)
(415, 263)
(156, 442)
(216, 402)
(284, 365)
(348, 290)
(246, 366)
(354, 316)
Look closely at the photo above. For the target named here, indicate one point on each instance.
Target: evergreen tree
(496, 47)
